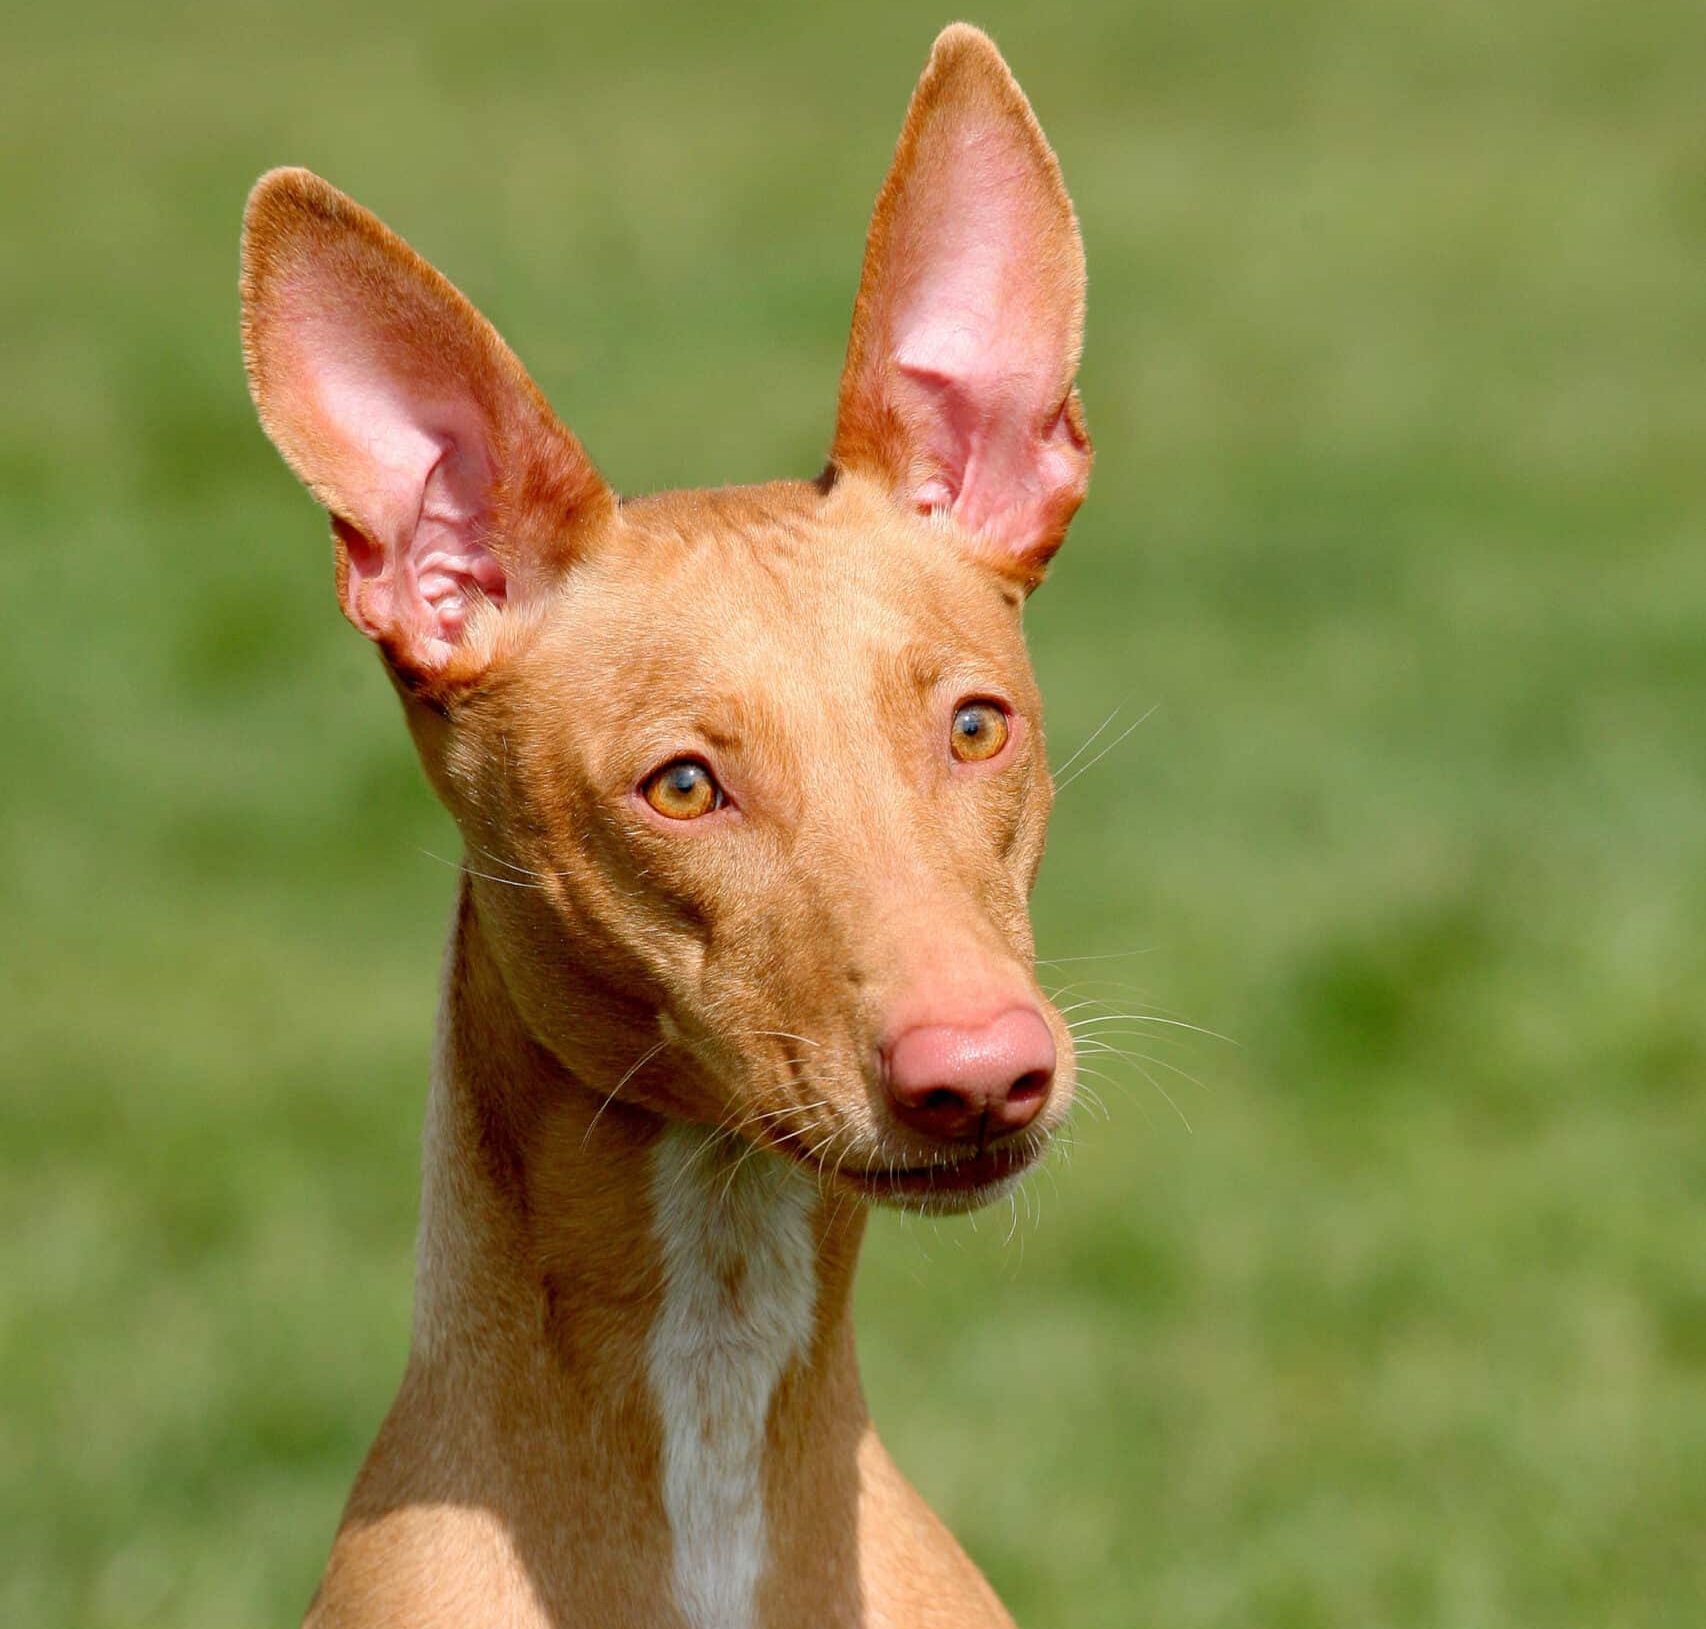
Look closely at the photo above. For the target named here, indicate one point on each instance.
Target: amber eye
(683, 790)
(980, 731)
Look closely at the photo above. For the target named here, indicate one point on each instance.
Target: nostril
(942, 1100)
(1031, 1087)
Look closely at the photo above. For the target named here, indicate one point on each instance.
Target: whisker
(510, 865)
(634, 1069)
(1088, 741)
(735, 1169)
(1092, 1097)
(1153, 1018)
(1112, 1043)
(1107, 1040)
(1129, 1055)
(1061, 785)
(485, 876)
(1100, 956)
(1167, 1096)
(1124, 1086)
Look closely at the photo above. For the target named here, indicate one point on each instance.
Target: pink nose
(971, 1083)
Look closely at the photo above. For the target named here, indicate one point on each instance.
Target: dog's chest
(734, 1228)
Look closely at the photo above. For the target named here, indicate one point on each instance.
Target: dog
(753, 791)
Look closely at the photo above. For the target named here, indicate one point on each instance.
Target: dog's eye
(980, 731)
(683, 790)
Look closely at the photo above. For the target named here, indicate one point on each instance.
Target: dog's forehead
(780, 584)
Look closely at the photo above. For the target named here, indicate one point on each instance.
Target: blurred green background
(1397, 369)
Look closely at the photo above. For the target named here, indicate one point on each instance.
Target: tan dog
(753, 791)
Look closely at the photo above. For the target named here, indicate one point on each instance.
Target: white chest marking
(740, 1290)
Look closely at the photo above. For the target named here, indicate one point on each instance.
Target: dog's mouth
(955, 1180)
(951, 1182)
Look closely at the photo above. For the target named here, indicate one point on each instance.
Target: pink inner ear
(984, 349)
(409, 463)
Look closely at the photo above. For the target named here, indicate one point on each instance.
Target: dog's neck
(633, 1351)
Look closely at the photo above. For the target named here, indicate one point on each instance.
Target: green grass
(1397, 368)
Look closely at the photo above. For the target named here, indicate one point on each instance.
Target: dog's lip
(964, 1173)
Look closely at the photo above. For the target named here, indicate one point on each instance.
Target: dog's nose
(971, 1083)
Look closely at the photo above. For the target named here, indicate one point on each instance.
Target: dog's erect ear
(451, 484)
(958, 389)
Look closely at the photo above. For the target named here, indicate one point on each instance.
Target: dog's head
(752, 780)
